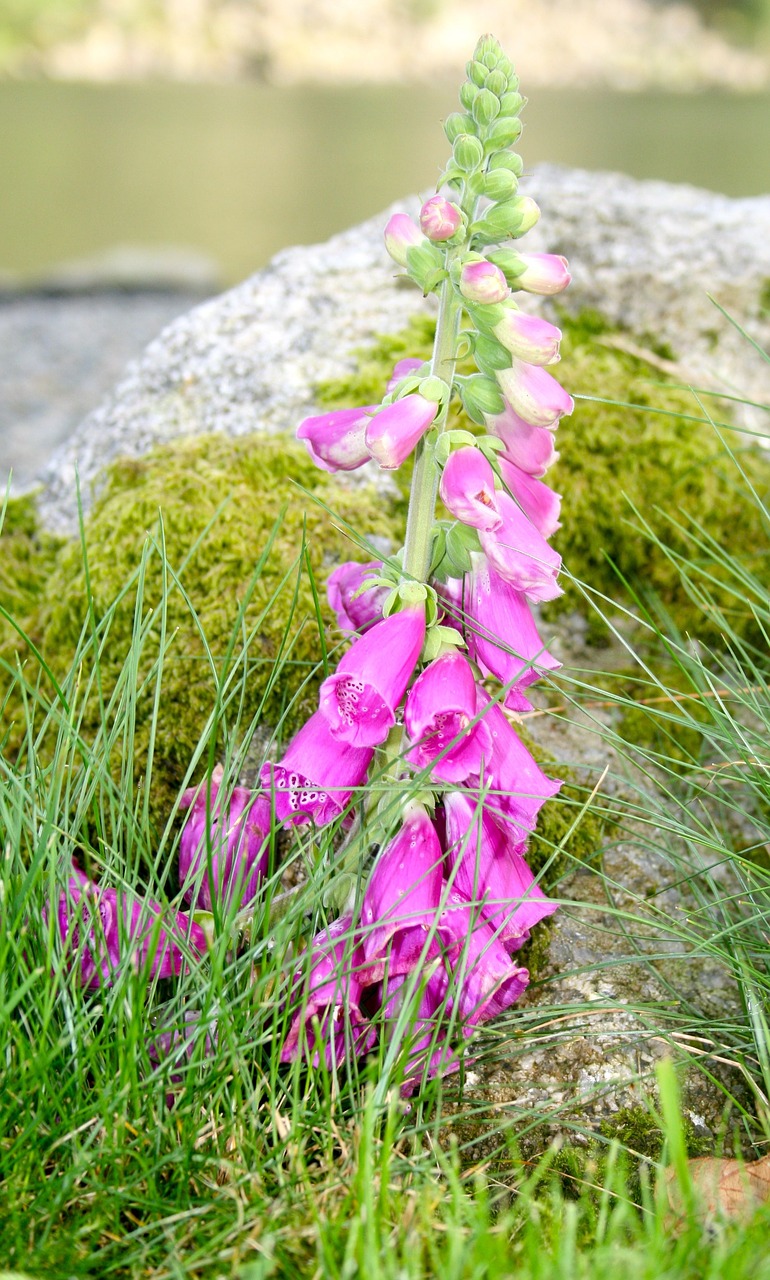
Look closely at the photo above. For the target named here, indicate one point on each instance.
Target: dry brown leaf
(731, 1188)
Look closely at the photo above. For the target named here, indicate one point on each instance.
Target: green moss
(27, 558)
(639, 448)
(219, 500)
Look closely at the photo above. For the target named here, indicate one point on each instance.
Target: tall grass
(217, 1160)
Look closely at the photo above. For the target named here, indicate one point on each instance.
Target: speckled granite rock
(645, 254)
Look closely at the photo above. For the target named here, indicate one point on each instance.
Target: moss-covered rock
(191, 551)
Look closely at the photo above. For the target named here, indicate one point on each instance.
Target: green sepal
(461, 540)
(438, 547)
(481, 396)
(441, 640)
(425, 264)
(491, 355)
(449, 440)
(206, 921)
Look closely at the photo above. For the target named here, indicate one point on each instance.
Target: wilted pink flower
(359, 701)
(468, 489)
(403, 369)
(393, 432)
(317, 775)
(520, 554)
(489, 870)
(329, 1020)
(516, 787)
(237, 846)
(336, 441)
(402, 900)
(401, 235)
(534, 394)
(539, 503)
(530, 448)
(483, 282)
(440, 219)
(438, 715)
(528, 337)
(356, 605)
(501, 633)
(543, 273)
(102, 930)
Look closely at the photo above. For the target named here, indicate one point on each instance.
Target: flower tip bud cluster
(440, 219)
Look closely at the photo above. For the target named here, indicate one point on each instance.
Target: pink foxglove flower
(530, 448)
(359, 701)
(238, 844)
(440, 219)
(401, 235)
(403, 899)
(393, 432)
(543, 273)
(484, 981)
(356, 605)
(336, 441)
(528, 337)
(428, 1052)
(516, 787)
(501, 633)
(439, 711)
(489, 870)
(104, 930)
(317, 775)
(329, 1021)
(534, 394)
(403, 369)
(483, 282)
(539, 503)
(468, 489)
(521, 555)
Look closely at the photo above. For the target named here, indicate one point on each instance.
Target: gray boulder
(648, 255)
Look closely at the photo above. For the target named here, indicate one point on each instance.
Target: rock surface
(645, 254)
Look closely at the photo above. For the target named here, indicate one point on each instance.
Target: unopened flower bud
(528, 337)
(510, 217)
(440, 219)
(486, 107)
(401, 234)
(497, 82)
(425, 265)
(468, 92)
(500, 184)
(507, 160)
(456, 124)
(542, 273)
(468, 152)
(477, 72)
(504, 132)
(481, 395)
(511, 104)
(435, 389)
(483, 282)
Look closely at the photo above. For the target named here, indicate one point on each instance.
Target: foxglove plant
(449, 898)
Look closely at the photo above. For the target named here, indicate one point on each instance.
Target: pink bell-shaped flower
(534, 394)
(401, 234)
(336, 441)
(531, 448)
(317, 775)
(359, 701)
(468, 489)
(329, 1021)
(483, 282)
(489, 869)
(393, 432)
(482, 980)
(515, 786)
(528, 337)
(520, 554)
(403, 899)
(438, 715)
(539, 503)
(543, 273)
(102, 930)
(237, 844)
(356, 604)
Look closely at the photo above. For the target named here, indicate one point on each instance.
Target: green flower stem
(422, 497)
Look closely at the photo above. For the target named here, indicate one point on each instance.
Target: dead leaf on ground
(730, 1188)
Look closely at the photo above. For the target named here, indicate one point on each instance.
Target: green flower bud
(468, 92)
(486, 108)
(488, 46)
(458, 123)
(468, 152)
(510, 263)
(490, 355)
(513, 79)
(435, 389)
(480, 395)
(511, 103)
(476, 72)
(507, 160)
(497, 83)
(425, 264)
(500, 184)
(509, 218)
(503, 133)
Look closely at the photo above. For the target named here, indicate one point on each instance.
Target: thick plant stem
(422, 497)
